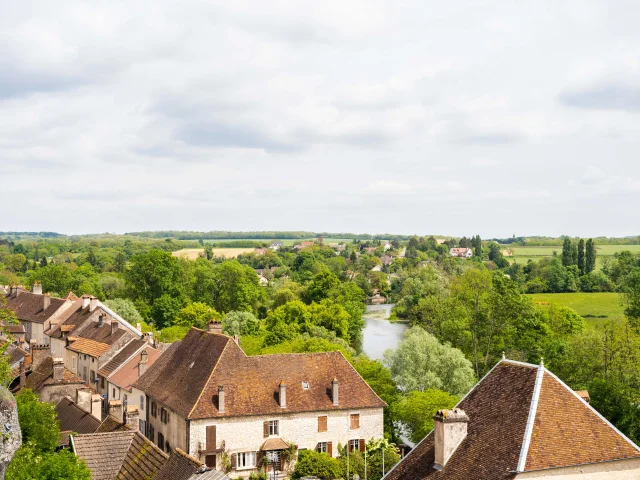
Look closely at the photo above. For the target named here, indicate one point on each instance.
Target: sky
(457, 118)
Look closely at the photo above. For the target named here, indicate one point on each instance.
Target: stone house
(521, 422)
(207, 397)
(36, 311)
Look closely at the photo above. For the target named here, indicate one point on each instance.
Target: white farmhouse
(461, 252)
(205, 396)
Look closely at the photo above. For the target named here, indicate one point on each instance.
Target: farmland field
(594, 307)
(193, 253)
(285, 242)
(523, 254)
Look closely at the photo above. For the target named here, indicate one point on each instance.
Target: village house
(461, 252)
(36, 311)
(276, 245)
(386, 260)
(207, 397)
(521, 422)
(304, 245)
(260, 251)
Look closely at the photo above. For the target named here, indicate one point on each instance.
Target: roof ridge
(533, 408)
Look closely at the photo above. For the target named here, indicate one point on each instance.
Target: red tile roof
(564, 430)
(186, 379)
(128, 373)
(89, 347)
(122, 356)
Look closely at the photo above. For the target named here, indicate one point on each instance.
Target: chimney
(220, 398)
(96, 406)
(132, 417)
(214, 327)
(58, 370)
(142, 363)
(236, 339)
(115, 409)
(114, 326)
(86, 299)
(451, 430)
(100, 320)
(38, 354)
(283, 394)
(93, 303)
(17, 290)
(83, 398)
(37, 288)
(334, 391)
(46, 301)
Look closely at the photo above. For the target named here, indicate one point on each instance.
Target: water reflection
(379, 334)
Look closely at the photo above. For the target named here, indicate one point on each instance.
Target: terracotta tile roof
(89, 347)
(28, 306)
(101, 333)
(566, 431)
(74, 419)
(43, 375)
(274, 444)
(187, 376)
(123, 455)
(121, 357)
(76, 316)
(68, 377)
(128, 374)
(179, 466)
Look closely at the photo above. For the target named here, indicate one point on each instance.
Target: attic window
(305, 385)
(192, 364)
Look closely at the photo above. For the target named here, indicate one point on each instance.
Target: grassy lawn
(594, 307)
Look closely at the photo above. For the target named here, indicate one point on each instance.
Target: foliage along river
(380, 334)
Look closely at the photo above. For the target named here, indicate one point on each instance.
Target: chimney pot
(450, 430)
(93, 303)
(221, 399)
(283, 394)
(86, 300)
(18, 290)
(334, 391)
(214, 327)
(37, 288)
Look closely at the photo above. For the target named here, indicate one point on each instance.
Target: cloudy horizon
(380, 117)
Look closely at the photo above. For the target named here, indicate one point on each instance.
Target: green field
(523, 254)
(594, 307)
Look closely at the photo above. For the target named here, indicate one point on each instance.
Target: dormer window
(305, 385)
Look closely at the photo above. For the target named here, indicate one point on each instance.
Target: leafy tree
(173, 333)
(421, 363)
(126, 309)
(55, 278)
(153, 274)
(233, 287)
(113, 286)
(196, 314)
(379, 463)
(29, 464)
(165, 309)
(286, 322)
(38, 421)
(315, 464)
(416, 410)
(240, 323)
(321, 286)
(590, 256)
(581, 257)
(631, 297)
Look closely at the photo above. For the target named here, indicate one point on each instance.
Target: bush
(314, 464)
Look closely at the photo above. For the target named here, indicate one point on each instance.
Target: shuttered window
(211, 441)
(272, 427)
(354, 421)
(330, 449)
(322, 424)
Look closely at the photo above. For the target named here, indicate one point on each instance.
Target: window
(167, 447)
(354, 445)
(246, 460)
(125, 399)
(114, 393)
(93, 360)
(154, 409)
(322, 424)
(273, 427)
(101, 382)
(160, 441)
(84, 373)
(354, 421)
(164, 415)
(322, 447)
(73, 363)
(141, 402)
(305, 385)
(93, 375)
(151, 433)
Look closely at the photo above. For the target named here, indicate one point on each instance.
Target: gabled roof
(119, 455)
(186, 379)
(127, 374)
(521, 418)
(28, 306)
(179, 466)
(122, 356)
(74, 419)
(43, 375)
(89, 347)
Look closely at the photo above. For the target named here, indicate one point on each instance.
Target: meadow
(523, 254)
(594, 307)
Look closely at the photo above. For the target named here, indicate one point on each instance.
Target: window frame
(141, 402)
(356, 442)
(274, 428)
(154, 410)
(243, 465)
(322, 447)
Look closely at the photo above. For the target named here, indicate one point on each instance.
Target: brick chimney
(96, 406)
(132, 417)
(93, 304)
(83, 398)
(114, 326)
(46, 301)
(37, 288)
(334, 391)
(115, 409)
(220, 398)
(451, 429)
(214, 327)
(86, 300)
(58, 370)
(283, 394)
(142, 363)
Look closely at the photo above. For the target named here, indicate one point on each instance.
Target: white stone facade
(246, 434)
(628, 469)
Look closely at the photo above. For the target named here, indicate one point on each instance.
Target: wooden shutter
(330, 449)
(210, 461)
(259, 458)
(266, 429)
(362, 444)
(234, 460)
(322, 424)
(211, 438)
(355, 421)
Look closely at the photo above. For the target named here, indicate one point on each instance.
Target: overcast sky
(495, 118)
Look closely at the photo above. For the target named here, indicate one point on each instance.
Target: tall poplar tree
(574, 253)
(477, 246)
(566, 252)
(581, 259)
(590, 255)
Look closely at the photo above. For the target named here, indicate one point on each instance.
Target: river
(380, 334)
